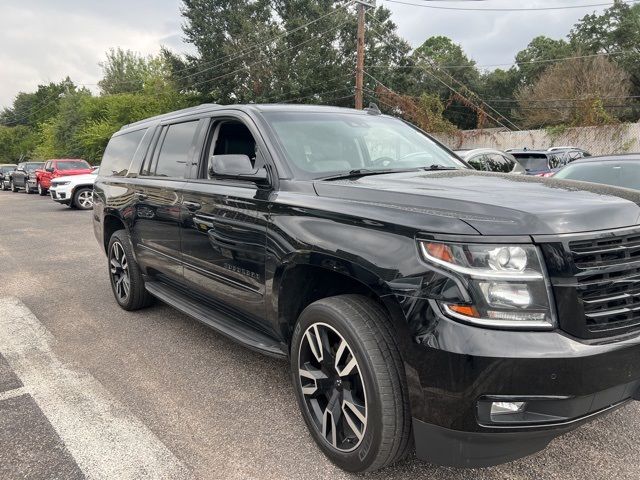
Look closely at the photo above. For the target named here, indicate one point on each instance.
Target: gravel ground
(222, 410)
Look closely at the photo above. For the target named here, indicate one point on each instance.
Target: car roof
(7, 164)
(624, 157)
(475, 151)
(275, 107)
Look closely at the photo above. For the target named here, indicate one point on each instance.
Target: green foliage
(534, 60)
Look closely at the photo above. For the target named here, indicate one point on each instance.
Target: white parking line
(105, 439)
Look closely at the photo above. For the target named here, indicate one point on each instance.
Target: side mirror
(50, 169)
(235, 166)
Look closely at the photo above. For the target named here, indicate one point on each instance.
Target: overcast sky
(45, 40)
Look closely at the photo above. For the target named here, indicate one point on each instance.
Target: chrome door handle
(140, 196)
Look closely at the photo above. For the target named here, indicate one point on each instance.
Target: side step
(219, 321)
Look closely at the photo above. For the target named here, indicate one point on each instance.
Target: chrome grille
(608, 282)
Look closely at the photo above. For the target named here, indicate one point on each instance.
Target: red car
(59, 168)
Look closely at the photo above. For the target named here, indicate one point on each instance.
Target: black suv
(5, 171)
(481, 314)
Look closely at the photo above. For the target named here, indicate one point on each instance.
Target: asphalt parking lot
(87, 389)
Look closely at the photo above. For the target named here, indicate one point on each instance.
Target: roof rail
(170, 114)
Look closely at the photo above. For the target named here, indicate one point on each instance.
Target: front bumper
(455, 370)
(61, 194)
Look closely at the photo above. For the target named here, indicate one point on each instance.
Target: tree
(616, 31)
(125, 71)
(32, 109)
(498, 88)
(576, 92)
(535, 59)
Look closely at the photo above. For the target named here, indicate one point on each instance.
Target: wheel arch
(303, 278)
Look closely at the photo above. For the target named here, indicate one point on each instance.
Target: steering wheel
(384, 161)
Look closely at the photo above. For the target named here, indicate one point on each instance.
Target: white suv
(75, 190)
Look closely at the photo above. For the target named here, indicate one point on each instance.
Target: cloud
(45, 41)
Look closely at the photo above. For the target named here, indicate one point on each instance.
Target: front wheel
(41, 191)
(350, 383)
(27, 190)
(83, 198)
(125, 275)
(12, 186)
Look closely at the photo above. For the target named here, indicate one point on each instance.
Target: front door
(224, 229)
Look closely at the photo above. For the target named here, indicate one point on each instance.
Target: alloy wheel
(85, 199)
(333, 387)
(40, 189)
(119, 269)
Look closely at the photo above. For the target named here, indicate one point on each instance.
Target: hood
(76, 178)
(497, 204)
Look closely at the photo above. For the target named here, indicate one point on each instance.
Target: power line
(435, 66)
(473, 65)
(495, 9)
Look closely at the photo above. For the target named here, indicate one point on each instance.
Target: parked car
(24, 176)
(417, 300)
(489, 160)
(59, 168)
(615, 170)
(582, 152)
(75, 191)
(5, 171)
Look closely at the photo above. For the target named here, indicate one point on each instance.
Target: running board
(218, 321)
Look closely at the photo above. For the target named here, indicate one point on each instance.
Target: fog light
(499, 408)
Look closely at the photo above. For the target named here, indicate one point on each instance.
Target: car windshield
(7, 169)
(319, 145)
(73, 165)
(32, 167)
(617, 174)
(532, 162)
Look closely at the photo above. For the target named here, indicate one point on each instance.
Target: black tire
(12, 186)
(3, 186)
(78, 199)
(27, 190)
(384, 435)
(136, 296)
(41, 190)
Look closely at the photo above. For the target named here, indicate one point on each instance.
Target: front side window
(318, 145)
(119, 153)
(175, 150)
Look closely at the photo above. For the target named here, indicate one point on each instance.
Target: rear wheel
(12, 186)
(83, 198)
(125, 275)
(350, 383)
(27, 190)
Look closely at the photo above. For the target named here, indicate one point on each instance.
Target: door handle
(140, 196)
(192, 206)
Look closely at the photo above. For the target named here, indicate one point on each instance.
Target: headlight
(59, 184)
(505, 285)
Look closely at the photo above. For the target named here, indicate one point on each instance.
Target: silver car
(490, 160)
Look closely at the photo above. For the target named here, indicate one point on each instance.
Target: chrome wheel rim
(119, 268)
(332, 387)
(40, 189)
(85, 199)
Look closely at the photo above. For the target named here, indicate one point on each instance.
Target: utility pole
(362, 5)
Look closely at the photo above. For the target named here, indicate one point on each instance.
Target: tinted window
(478, 162)
(618, 174)
(532, 161)
(498, 163)
(174, 152)
(119, 153)
(72, 165)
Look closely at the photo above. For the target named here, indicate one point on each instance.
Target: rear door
(224, 229)
(157, 199)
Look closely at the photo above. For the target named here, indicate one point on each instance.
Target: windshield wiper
(360, 172)
(436, 167)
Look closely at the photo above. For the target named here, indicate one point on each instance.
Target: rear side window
(498, 163)
(175, 150)
(119, 153)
